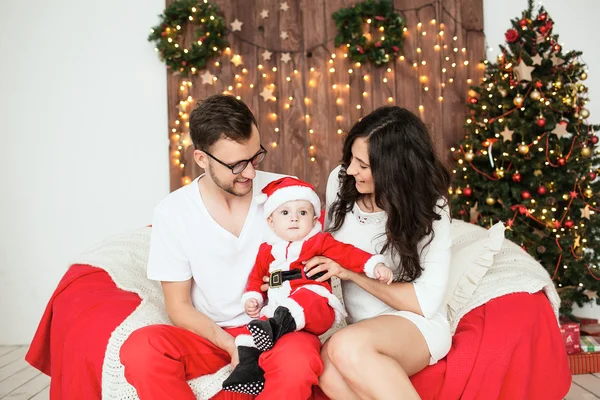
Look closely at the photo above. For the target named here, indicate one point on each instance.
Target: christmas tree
(529, 156)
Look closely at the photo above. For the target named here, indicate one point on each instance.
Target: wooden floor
(20, 381)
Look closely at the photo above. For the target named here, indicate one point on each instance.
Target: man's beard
(227, 187)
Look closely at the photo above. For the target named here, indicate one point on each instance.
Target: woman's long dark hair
(409, 181)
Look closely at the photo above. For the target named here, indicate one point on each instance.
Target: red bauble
(525, 195)
(467, 191)
(511, 35)
(557, 47)
(542, 17)
(569, 224)
(523, 23)
(542, 190)
(473, 100)
(562, 161)
(592, 176)
(541, 122)
(516, 177)
(462, 212)
(594, 139)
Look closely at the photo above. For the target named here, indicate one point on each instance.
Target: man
(205, 239)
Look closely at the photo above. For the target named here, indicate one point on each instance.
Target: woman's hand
(319, 264)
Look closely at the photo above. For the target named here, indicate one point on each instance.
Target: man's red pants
(159, 359)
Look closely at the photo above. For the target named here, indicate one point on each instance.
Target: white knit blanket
(125, 257)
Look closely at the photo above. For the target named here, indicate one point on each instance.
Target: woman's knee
(346, 347)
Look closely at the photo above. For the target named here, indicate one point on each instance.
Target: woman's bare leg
(331, 381)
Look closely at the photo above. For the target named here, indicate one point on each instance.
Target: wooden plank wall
(303, 128)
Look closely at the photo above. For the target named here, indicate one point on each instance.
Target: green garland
(209, 41)
(351, 21)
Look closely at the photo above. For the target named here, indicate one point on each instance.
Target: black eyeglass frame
(243, 164)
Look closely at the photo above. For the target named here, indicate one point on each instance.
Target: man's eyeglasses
(240, 166)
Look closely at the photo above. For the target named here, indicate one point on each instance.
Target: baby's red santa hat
(288, 189)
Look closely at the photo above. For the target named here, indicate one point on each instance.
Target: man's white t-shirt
(188, 243)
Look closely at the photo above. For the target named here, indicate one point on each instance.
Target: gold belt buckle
(276, 279)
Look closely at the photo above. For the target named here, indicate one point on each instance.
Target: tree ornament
(511, 35)
(499, 173)
(518, 100)
(538, 172)
(502, 92)
(588, 193)
(540, 121)
(569, 224)
(561, 161)
(565, 197)
(473, 100)
(525, 195)
(523, 23)
(592, 175)
(523, 149)
(542, 17)
(541, 249)
(469, 156)
(586, 152)
(584, 113)
(467, 192)
(594, 139)
(490, 201)
(542, 190)
(557, 84)
(535, 95)
(583, 76)
(516, 177)
(557, 48)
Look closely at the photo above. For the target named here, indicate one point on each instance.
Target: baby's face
(293, 220)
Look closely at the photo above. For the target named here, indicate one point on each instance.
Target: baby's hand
(252, 308)
(383, 273)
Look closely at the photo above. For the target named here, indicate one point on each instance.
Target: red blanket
(509, 348)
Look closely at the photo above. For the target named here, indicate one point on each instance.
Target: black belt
(277, 278)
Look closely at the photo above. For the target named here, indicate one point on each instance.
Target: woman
(388, 197)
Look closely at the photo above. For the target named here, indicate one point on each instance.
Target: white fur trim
(290, 193)
(244, 340)
(272, 238)
(334, 302)
(253, 295)
(371, 263)
(297, 312)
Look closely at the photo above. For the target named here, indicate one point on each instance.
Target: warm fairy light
(274, 144)
(421, 108)
(358, 106)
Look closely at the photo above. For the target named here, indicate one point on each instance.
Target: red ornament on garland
(594, 139)
(467, 191)
(542, 190)
(569, 224)
(540, 121)
(473, 100)
(525, 195)
(539, 84)
(542, 17)
(557, 47)
(592, 175)
(511, 35)
(523, 23)
(562, 161)
(516, 177)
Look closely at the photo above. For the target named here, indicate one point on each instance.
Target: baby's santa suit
(312, 304)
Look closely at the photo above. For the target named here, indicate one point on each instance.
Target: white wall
(84, 148)
(83, 121)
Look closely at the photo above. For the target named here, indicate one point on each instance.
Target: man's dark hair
(218, 117)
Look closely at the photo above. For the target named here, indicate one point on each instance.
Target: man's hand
(383, 273)
(252, 308)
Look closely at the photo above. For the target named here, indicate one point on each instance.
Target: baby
(295, 301)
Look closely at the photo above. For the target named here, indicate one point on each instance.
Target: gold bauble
(583, 76)
(538, 172)
(576, 115)
(518, 100)
(565, 196)
(503, 92)
(500, 173)
(588, 193)
(557, 84)
(567, 100)
(523, 149)
(586, 152)
(469, 156)
(581, 87)
(584, 112)
(535, 95)
(490, 201)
